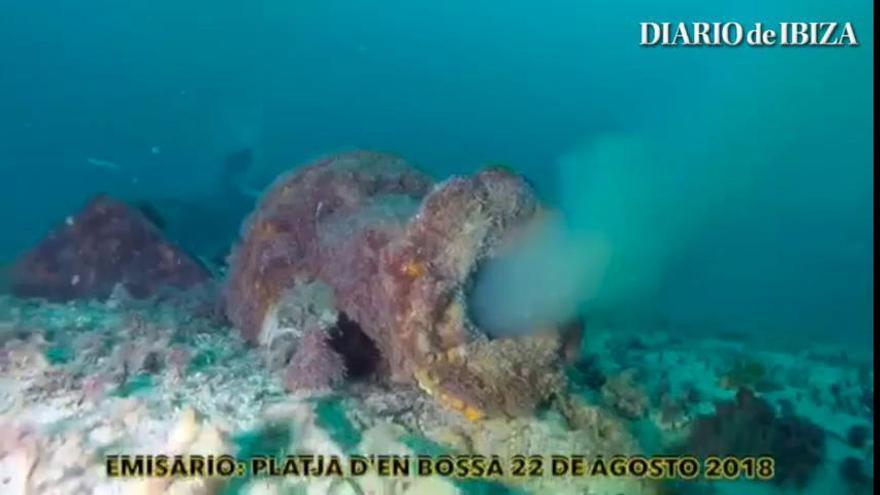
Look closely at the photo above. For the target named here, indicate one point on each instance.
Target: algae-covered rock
(623, 393)
(107, 244)
(324, 221)
(397, 257)
(366, 238)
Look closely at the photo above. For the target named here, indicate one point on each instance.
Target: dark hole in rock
(361, 356)
(152, 363)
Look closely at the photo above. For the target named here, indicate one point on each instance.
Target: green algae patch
(748, 373)
(271, 439)
(59, 354)
(424, 446)
(331, 417)
(203, 359)
(137, 385)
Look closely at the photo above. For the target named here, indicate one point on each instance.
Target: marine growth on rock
(396, 253)
(107, 245)
(749, 426)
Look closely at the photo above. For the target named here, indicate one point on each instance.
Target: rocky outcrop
(105, 246)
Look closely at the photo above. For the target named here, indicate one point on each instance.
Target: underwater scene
(357, 247)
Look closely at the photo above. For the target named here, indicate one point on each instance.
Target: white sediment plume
(540, 283)
(735, 210)
(621, 215)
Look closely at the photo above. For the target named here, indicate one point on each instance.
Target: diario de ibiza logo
(679, 34)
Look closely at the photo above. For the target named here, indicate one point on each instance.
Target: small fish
(105, 164)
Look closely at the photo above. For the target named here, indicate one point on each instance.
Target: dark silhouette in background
(207, 226)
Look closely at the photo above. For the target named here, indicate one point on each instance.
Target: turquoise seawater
(704, 193)
(749, 211)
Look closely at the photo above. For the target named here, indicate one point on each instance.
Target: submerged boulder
(748, 426)
(396, 254)
(323, 221)
(106, 245)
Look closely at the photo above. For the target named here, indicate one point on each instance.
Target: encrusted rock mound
(369, 241)
(306, 224)
(107, 244)
(426, 271)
